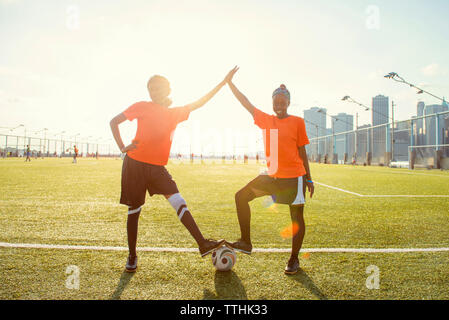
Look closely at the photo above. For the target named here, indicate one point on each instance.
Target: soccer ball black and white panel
(224, 258)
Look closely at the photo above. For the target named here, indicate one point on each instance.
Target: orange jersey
(155, 129)
(291, 132)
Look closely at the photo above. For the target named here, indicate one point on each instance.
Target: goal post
(429, 156)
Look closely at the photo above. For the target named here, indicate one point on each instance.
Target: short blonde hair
(157, 81)
(159, 89)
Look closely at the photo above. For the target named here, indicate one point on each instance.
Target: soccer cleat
(131, 264)
(292, 266)
(241, 246)
(209, 245)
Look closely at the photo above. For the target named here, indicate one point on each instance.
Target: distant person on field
(28, 154)
(75, 153)
(144, 164)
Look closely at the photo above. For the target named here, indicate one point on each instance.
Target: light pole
(17, 140)
(317, 135)
(62, 147)
(395, 77)
(349, 99)
(368, 144)
(45, 140)
(333, 130)
(87, 142)
(40, 140)
(98, 141)
(76, 136)
(392, 130)
(25, 134)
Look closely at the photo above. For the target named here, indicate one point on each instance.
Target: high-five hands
(231, 73)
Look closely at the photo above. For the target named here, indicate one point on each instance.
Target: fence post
(437, 132)
(368, 147)
(334, 147)
(437, 142)
(355, 143)
(411, 156)
(388, 155)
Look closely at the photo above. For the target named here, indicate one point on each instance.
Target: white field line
(339, 189)
(264, 250)
(386, 195)
(407, 196)
(49, 202)
(410, 173)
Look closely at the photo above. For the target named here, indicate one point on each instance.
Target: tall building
(401, 140)
(379, 110)
(315, 122)
(419, 140)
(316, 127)
(380, 116)
(420, 109)
(446, 133)
(363, 141)
(433, 126)
(343, 122)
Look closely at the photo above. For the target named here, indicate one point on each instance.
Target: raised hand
(231, 73)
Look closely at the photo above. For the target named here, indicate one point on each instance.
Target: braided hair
(282, 90)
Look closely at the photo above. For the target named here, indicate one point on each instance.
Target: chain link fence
(417, 142)
(16, 146)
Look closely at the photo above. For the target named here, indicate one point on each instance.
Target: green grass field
(53, 201)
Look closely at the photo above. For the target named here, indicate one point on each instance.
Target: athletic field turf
(55, 202)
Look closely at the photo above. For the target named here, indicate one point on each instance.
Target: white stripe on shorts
(300, 195)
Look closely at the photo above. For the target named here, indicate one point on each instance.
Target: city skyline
(75, 65)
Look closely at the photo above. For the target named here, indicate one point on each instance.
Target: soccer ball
(224, 258)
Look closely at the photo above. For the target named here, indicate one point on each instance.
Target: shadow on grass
(124, 280)
(227, 286)
(308, 283)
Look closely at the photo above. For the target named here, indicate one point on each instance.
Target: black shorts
(289, 191)
(140, 177)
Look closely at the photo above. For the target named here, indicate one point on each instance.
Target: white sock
(179, 204)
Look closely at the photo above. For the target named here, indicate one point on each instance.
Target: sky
(73, 65)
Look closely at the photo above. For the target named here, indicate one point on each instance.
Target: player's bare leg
(132, 228)
(297, 217)
(242, 199)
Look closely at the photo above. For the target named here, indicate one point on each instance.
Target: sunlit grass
(56, 202)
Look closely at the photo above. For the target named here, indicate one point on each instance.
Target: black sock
(132, 227)
(243, 214)
(297, 217)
